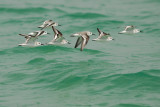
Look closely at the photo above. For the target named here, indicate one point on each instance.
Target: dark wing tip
(59, 32)
(106, 33)
(75, 46)
(78, 42)
(52, 27)
(54, 30)
(98, 30)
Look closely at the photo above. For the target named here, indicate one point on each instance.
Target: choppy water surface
(120, 73)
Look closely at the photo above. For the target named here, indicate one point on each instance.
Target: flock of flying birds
(58, 39)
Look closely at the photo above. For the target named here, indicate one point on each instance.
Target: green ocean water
(120, 73)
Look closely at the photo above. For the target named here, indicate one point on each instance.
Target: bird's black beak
(141, 31)
(48, 33)
(93, 34)
(59, 25)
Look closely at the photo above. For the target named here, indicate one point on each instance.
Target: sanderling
(83, 38)
(48, 23)
(32, 37)
(103, 36)
(130, 30)
(58, 38)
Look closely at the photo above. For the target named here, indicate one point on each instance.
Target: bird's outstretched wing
(79, 40)
(84, 41)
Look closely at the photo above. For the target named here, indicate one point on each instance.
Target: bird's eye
(89, 33)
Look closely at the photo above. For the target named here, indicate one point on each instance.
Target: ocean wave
(24, 10)
(70, 81)
(20, 21)
(40, 49)
(47, 49)
(58, 10)
(153, 72)
(2, 52)
(85, 15)
(108, 22)
(146, 79)
(132, 105)
(153, 31)
(37, 61)
(69, 73)
(14, 77)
